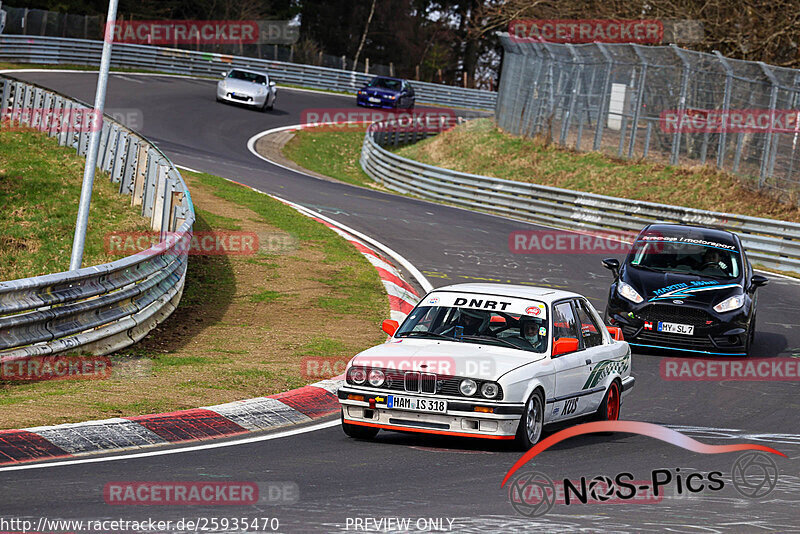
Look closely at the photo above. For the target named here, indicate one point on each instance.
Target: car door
(571, 368)
(594, 352)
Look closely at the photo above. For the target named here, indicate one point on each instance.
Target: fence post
(676, 137)
(726, 105)
(769, 135)
(639, 98)
(605, 95)
(576, 88)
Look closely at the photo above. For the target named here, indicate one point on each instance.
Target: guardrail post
(5, 97)
(676, 137)
(129, 167)
(67, 127)
(140, 175)
(36, 111)
(769, 135)
(120, 152)
(149, 191)
(57, 116)
(605, 95)
(83, 133)
(46, 112)
(639, 98)
(157, 206)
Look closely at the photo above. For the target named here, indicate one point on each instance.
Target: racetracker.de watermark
(214, 243)
(67, 120)
(40, 368)
(644, 31)
(442, 366)
(569, 242)
(768, 369)
(160, 32)
(730, 121)
(347, 119)
(183, 493)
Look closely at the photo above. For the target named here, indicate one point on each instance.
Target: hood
(487, 362)
(691, 289)
(242, 86)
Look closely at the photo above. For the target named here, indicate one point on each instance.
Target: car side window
(564, 324)
(590, 332)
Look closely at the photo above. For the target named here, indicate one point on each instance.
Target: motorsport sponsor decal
(687, 289)
(634, 427)
(607, 367)
(511, 305)
(686, 240)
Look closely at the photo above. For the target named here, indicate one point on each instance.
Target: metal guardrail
(772, 243)
(106, 307)
(53, 50)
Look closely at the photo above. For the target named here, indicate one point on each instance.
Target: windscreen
(514, 323)
(386, 83)
(699, 257)
(248, 76)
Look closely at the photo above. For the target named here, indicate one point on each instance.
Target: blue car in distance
(388, 93)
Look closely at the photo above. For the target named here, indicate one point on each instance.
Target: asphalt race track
(399, 475)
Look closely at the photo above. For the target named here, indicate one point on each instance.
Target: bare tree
(364, 35)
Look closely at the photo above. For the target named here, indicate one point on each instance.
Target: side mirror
(390, 326)
(272, 84)
(223, 74)
(565, 345)
(758, 280)
(612, 264)
(616, 333)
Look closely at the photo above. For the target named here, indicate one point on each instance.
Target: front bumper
(385, 103)
(241, 98)
(460, 419)
(714, 333)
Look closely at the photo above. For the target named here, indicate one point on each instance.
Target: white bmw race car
(489, 361)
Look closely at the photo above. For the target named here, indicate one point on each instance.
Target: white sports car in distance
(248, 87)
(490, 361)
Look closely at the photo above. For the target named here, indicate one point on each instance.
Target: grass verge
(40, 184)
(246, 325)
(332, 153)
(479, 147)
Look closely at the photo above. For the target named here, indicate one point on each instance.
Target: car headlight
(391, 97)
(362, 92)
(468, 387)
(629, 293)
(376, 378)
(490, 390)
(733, 303)
(358, 375)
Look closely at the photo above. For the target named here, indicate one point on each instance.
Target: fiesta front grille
(675, 314)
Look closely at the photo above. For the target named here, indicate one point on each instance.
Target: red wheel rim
(612, 406)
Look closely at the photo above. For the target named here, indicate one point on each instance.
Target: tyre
(609, 408)
(358, 431)
(531, 422)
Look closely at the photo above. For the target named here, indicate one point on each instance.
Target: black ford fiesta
(685, 288)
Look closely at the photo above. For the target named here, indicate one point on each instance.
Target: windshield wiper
(418, 333)
(487, 338)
